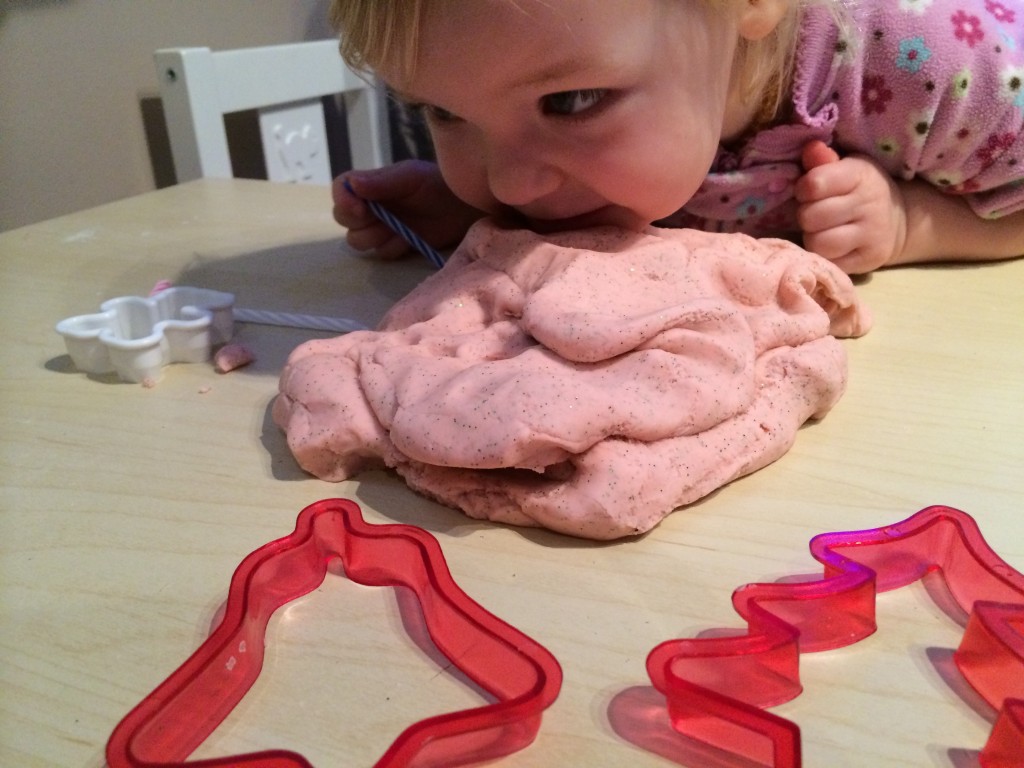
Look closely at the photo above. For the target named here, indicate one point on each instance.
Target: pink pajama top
(931, 89)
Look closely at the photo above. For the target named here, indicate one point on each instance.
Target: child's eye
(572, 102)
(431, 112)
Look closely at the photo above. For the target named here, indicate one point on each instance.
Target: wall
(80, 118)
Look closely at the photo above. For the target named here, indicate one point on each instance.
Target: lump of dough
(590, 382)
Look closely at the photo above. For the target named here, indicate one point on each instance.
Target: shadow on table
(315, 278)
(386, 492)
(639, 715)
(322, 278)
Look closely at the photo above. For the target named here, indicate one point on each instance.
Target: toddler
(883, 132)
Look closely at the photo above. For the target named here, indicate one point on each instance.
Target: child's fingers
(382, 243)
(351, 189)
(816, 153)
(825, 181)
(827, 213)
(369, 236)
(858, 261)
(846, 247)
(833, 243)
(394, 248)
(854, 263)
(349, 210)
(391, 182)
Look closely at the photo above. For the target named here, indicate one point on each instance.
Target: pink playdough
(590, 382)
(232, 356)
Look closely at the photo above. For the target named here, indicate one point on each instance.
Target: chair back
(286, 85)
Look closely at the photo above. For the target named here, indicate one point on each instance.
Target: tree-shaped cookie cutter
(522, 676)
(717, 688)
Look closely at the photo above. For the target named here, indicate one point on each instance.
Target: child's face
(575, 112)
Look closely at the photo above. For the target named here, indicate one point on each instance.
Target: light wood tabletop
(125, 510)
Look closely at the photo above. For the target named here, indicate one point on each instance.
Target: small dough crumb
(232, 356)
(160, 286)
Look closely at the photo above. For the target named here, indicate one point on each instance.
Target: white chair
(285, 84)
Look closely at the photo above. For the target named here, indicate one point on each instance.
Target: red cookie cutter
(523, 677)
(716, 688)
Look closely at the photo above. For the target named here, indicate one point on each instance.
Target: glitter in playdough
(690, 359)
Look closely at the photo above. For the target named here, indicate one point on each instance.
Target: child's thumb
(817, 153)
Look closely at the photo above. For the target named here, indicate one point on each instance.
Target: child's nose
(517, 177)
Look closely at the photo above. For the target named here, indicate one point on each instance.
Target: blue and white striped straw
(399, 228)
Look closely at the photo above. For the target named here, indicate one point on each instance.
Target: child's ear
(759, 18)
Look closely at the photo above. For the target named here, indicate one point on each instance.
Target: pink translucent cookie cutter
(136, 337)
(716, 688)
(521, 675)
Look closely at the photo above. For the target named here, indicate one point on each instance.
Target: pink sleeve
(935, 90)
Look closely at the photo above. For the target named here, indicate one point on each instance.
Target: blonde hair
(375, 33)
(765, 66)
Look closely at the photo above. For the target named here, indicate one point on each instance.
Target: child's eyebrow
(553, 72)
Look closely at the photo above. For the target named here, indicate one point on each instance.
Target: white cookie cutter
(137, 336)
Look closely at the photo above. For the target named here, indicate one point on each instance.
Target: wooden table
(126, 509)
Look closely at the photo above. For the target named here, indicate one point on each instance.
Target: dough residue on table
(590, 382)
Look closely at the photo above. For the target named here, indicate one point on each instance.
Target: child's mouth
(601, 217)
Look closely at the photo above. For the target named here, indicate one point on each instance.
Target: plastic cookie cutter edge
(717, 687)
(137, 336)
(519, 673)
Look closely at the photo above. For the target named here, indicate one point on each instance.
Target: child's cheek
(464, 172)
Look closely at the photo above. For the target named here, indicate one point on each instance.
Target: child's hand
(412, 190)
(850, 210)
